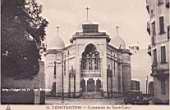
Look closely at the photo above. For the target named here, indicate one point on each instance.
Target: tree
(23, 29)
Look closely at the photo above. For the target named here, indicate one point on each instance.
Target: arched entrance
(98, 85)
(90, 72)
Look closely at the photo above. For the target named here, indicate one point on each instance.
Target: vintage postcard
(85, 54)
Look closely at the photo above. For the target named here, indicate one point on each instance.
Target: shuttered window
(163, 54)
(153, 29)
(163, 87)
(168, 32)
(154, 57)
(161, 25)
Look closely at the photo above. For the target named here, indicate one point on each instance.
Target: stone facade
(90, 65)
(159, 29)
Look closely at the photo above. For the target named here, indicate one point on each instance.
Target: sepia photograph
(85, 54)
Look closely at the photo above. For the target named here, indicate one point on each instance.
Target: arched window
(90, 58)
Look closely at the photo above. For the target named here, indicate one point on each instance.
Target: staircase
(91, 95)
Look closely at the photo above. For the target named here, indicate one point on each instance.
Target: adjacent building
(92, 65)
(159, 29)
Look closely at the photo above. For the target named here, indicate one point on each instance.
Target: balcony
(147, 6)
(148, 28)
(149, 50)
(167, 3)
(90, 73)
(160, 2)
(160, 70)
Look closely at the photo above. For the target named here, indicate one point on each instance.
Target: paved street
(73, 101)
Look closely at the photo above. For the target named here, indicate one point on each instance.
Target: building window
(168, 32)
(54, 69)
(167, 3)
(163, 87)
(90, 64)
(90, 58)
(154, 57)
(153, 29)
(114, 67)
(163, 54)
(161, 25)
(68, 52)
(96, 63)
(64, 67)
(160, 2)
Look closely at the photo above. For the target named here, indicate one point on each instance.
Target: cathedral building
(94, 65)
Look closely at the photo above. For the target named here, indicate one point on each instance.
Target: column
(85, 85)
(93, 63)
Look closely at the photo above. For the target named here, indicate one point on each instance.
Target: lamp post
(62, 76)
(147, 84)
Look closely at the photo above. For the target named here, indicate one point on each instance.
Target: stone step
(91, 95)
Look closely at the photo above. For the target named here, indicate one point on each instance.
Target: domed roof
(118, 42)
(57, 43)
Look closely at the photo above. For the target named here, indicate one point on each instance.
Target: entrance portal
(98, 85)
(91, 88)
(90, 70)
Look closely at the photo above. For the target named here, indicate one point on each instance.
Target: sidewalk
(80, 101)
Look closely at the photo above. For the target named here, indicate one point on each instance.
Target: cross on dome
(58, 30)
(117, 30)
(117, 41)
(87, 16)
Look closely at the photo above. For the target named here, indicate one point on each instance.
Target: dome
(57, 43)
(118, 42)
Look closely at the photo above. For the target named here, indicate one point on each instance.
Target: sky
(130, 15)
